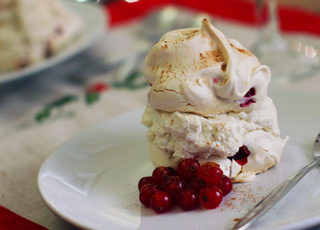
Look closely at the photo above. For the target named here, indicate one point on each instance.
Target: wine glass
(288, 59)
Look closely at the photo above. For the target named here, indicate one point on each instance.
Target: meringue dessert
(208, 100)
(34, 30)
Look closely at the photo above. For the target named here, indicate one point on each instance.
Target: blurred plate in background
(95, 24)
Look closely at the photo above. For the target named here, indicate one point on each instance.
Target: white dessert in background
(208, 100)
(34, 30)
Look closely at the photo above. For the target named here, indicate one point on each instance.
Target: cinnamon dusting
(243, 51)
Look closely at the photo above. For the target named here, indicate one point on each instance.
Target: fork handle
(273, 197)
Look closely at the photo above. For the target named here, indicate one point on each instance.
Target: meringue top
(203, 72)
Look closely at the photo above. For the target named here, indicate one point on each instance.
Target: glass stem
(271, 32)
(272, 28)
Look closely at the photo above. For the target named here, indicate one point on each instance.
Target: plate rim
(47, 203)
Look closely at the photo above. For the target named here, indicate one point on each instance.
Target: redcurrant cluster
(190, 186)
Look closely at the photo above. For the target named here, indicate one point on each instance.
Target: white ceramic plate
(91, 180)
(95, 25)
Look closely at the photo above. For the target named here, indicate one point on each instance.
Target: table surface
(29, 132)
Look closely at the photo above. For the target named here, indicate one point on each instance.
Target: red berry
(161, 174)
(226, 185)
(210, 197)
(197, 185)
(173, 185)
(188, 169)
(146, 193)
(248, 98)
(161, 202)
(241, 157)
(188, 199)
(211, 173)
(247, 102)
(251, 92)
(145, 180)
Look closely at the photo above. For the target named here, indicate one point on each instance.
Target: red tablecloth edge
(291, 18)
(12, 221)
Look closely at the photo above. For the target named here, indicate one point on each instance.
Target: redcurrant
(226, 185)
(188, 199)
(173, 185)
(145, 180)
(161, 174)
(188, 169)
(197, 184)
(210, 197)
(146, 193)
(161, 202)
(211, 173)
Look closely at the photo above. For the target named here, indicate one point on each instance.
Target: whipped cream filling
(201, 71)
(175, 136)
(188, 135)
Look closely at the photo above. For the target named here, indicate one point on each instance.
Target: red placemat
(10, 220)
(291, 19)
